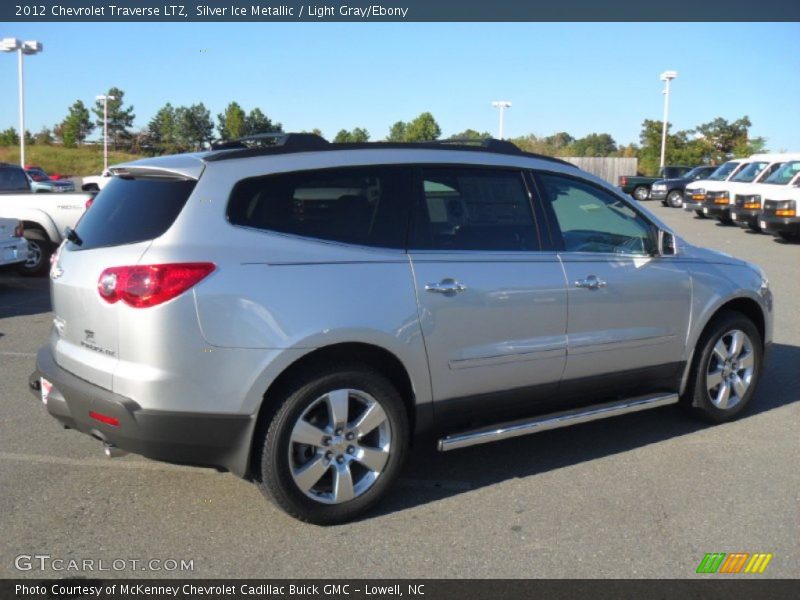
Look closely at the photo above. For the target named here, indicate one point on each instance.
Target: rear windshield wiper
(73, 236)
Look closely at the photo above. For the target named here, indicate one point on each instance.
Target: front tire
(335, 445)
(789, 237)
(700, 214)
(40, 249)
(641, 193)
(675, 199)
(727, 366)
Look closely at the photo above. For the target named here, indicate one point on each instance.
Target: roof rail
(490, 144)
(288, 141)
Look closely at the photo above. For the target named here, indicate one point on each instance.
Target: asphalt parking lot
(645, 495)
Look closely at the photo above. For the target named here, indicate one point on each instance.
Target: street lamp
(666, 76)
(104, 99)
(21, 48)
(502, 105)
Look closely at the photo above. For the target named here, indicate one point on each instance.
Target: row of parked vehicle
(760, 193)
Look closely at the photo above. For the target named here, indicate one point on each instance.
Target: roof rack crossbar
(289, 141)
(491, 144)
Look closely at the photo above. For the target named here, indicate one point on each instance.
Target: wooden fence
(606, 167)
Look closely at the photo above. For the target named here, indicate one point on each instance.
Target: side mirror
(667, 245)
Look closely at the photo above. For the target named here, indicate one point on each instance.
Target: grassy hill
(80, 162)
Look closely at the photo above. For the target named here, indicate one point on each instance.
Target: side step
(566, 418)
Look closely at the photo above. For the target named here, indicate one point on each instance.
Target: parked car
(720, 201)
(694, 197)
(670, 191)
(95, 183)
(748, 202)
(42, 182)
(779, 215)
(296, 313)
(638, 186)
(13, 247)
(44, 216)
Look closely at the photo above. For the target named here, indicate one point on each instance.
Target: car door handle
(591, 283)
(448, 287)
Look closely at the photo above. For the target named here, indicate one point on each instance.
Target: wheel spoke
(338, 402)
(306, 433)
(343, 484)
(373, 458)
(713, 379)
(723, 395)
(747, 361)
(739, 386)
(737, 343)
(721, 350)
(311, 473)
(372, 418)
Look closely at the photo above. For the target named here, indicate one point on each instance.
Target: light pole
(666, 77)
(104, 99)
(21, 48)
(502, 105)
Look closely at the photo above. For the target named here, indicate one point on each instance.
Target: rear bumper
(203, 439)
(776, 225)
(13, 253)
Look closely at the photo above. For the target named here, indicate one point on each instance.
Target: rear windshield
(132, 210)
(722, 173)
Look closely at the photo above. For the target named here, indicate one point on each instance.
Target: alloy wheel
(730, 371)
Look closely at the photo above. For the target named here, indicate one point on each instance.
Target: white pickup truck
(44, 216)
(95, 183)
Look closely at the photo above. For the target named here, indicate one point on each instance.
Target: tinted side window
(474, 209)
(593, 220)
(13, 180)
(132, 210)
(359, 205)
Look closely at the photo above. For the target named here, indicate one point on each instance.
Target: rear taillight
(623, 180)
(19, 230)
(113, 421)
(89, 203)
(148, 285)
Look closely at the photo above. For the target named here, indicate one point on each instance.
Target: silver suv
(294, 312)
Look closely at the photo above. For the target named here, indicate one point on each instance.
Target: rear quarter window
(131, 210)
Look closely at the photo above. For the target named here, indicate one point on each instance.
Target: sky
(575, 77)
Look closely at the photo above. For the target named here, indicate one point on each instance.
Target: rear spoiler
(148, 172)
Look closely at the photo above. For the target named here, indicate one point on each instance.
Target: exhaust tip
(111, 451)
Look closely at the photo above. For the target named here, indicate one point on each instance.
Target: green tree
(358, 135)
(594, 144)
(423, 129)
(257, 122)
(232, 122)
(471, 134)
(9, 137)
(163, 129)
(44, 137)
(193, 127)
(397, 133)
(559, 141)
(120, 119)
(729, 139)
(77, 125)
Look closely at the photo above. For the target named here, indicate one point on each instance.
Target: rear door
(120, 225)
(492, 304)
(628, 308)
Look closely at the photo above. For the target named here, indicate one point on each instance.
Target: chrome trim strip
(553, 421)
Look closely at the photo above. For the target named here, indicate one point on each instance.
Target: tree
(44, 137)
(559, 140)
(257, 122)
(358, 135)
(471, 134)
(422, 129)
(594, 144)
(725, 137)
(232, 123)
(163, 130)
(9, 137)
(77, 125)
(193, 127)
(119, 119)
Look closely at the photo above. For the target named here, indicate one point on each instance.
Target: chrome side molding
(585, 414)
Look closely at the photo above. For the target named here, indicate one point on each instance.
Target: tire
(788, 237)
(704, 396)
(641, 193)
(90, 187)
(725, 221)
(754, 226)
(336, 473)
(40, 249)
(700, 214)
(675, 199)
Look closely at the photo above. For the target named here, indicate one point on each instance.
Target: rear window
(355, 205)
(13, 180)
(132, 210)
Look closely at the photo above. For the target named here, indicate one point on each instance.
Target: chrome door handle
(448, 287)
(591, 283)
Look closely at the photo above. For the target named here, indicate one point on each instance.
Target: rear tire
(335, 445)
(726, 368)
(40, 250)
(675, 199)
(788, 237)
(641, 193)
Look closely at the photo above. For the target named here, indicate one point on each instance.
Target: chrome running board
(566, 418)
